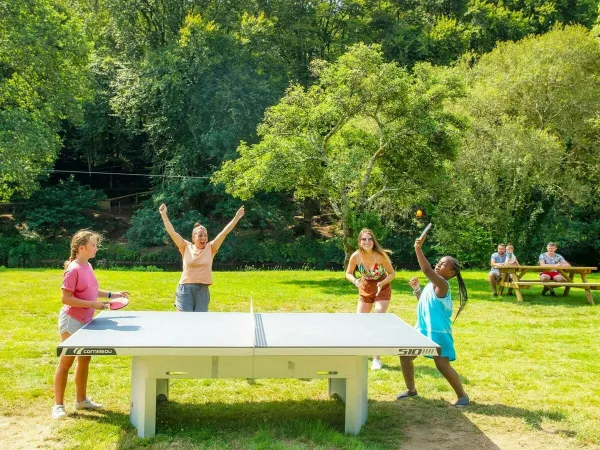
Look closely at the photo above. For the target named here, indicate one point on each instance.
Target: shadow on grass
(337, 285)
(318, 424)
(341, 286)
(423, 371)
(478, 290)
(533, 296)
(533, 418)
(575, 299)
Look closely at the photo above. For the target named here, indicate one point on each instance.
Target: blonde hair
(376, 247)
(82, 237)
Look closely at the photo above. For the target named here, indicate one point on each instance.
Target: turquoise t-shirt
(434, 319)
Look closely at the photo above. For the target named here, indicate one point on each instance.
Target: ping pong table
(171, 345)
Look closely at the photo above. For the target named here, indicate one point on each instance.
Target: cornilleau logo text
(90, 351)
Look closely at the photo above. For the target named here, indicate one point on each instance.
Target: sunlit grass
(529, 367)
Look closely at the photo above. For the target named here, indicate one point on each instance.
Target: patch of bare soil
(22, 433)
(427, 437)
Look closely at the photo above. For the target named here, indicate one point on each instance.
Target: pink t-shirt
(81, 281)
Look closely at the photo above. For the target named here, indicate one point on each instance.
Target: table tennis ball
(419, 213)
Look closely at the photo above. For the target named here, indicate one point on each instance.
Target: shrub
(58, 210)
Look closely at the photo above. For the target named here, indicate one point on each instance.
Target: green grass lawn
(531, 369)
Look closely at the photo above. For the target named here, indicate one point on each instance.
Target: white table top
(236, 333)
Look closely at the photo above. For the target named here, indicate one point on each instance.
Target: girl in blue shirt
(434, 313)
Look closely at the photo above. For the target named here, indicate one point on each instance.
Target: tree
(368, 135)
(529, 163)
(43, 59)
(197, 99)
(59, 210)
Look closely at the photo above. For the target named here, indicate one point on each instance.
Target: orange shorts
(368, 289)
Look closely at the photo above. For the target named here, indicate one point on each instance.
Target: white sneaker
(88, 404)
(376, 364)
(58, 412)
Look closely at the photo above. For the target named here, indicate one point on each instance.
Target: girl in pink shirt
(80, 298)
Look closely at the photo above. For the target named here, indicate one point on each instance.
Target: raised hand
(240, 213)
(162, 209)
(419, 242)
(414, 283)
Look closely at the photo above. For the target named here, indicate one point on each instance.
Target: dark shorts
(368, 289)
(192, 297)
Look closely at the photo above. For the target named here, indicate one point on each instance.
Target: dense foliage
(322, 116)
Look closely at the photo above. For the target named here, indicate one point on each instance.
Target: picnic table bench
(512, 278)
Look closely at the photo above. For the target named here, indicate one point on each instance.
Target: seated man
(498, 257)
(551, 258)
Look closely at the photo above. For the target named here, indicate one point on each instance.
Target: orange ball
(419, 213)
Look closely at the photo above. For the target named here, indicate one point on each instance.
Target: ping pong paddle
(118, 304)
(425, 231)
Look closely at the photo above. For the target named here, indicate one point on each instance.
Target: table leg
(162, 390)
(569, 278)
(337, 386)
(519, 295)
(503, 276)
(143, 399)
(356, 397)
(588, 293)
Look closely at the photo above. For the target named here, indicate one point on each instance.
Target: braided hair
(462, 289)
(82, 237)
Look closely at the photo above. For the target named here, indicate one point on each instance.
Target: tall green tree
(530, 162)
(366, 136)
(43, 67)
(197, 99)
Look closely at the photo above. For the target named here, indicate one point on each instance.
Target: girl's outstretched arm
(179, 241)
(216, 243)
(440, 283)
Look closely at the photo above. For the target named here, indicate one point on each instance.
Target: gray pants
(192, 297)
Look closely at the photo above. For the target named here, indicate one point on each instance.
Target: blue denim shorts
(192, 297)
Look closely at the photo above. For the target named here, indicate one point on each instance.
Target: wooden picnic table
(512, 278)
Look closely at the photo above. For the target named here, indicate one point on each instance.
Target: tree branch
(372, 160)
(379, 194)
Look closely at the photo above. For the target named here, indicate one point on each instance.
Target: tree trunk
(346, 231)
(308, 208)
